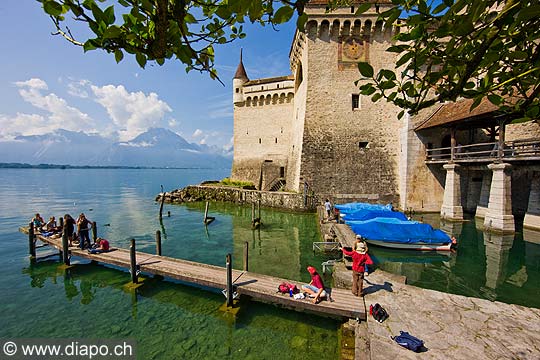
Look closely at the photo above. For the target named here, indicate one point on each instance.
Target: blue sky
(47, 83)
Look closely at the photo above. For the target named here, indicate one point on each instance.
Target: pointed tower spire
(240, 70)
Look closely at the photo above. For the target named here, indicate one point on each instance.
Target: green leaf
(108, 15)
(118, 55)
(362, 8)
(495, 99)
(401, 113)
(301, 22)
(365, 69)
(283, 14)
(112, 32)
(141, 59)
(52, 8)
(528, 13)
(89, 45)
(376, 97)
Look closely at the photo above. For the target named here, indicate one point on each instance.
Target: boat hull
(410, 246)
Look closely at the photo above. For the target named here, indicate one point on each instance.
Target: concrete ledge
(531, 221)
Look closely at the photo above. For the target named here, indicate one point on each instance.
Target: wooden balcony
(510, 151)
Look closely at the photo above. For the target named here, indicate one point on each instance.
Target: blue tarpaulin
(379, 222)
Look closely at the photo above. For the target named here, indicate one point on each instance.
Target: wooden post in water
(206, 211)
(246, 253)
(161, 205)
(31, 242)
(259, 208)
(65, 246)
(207, 219)
(94, 231)
(158, 242)
(229, 281)
(133, 262)
(252, 213)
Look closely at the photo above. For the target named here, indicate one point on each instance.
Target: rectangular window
(355, 101)
(281, 171)
(363, 144)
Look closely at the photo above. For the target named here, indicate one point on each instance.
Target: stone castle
(313, 130)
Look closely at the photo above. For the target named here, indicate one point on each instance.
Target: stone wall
(348, 154)
(273, 199)
(262, 131)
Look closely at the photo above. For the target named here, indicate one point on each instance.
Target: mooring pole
(94, 231)
(206, 211)
(246, 253)
(161, 205)
(252, 212)
(133, 262)
(65, 246)
(229, 281)
(259, 208)
(158, 242)
(31, 242)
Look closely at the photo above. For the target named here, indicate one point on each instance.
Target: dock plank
(259, 287)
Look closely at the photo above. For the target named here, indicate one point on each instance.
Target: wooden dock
(259, 287)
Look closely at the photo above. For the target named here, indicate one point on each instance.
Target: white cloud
(131, 112)
(58, 113)
(79, 88)
(197, 133)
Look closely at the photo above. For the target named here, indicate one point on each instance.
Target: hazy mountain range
(156, 147)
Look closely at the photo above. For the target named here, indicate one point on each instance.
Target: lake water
(172, 321)
(168, 320)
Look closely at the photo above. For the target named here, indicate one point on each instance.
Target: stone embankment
(452, 326)
(273, 199)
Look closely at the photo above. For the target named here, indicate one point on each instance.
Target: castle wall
(301, 70)
(349, 154)
(262, 132)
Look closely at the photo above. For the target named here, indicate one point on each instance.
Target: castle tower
(343, 145)
(240, 78)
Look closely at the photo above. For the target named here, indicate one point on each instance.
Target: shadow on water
(191, 316)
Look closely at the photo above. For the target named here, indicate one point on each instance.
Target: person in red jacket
(360, 259)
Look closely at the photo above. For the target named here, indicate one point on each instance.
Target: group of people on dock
(81, 236)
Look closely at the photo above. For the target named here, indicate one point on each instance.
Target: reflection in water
(169, 320)
(486, 265)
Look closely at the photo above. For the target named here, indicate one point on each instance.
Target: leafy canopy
(445, 50)
(474, 49)
(157, 30)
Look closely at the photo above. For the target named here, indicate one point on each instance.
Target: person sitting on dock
(38, 222)
(360, 259)
(51, 225)
(82, 230)
(315, 288)
(101, 246)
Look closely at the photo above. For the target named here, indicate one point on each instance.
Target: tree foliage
(157, 30)
(445, 50)
(474, 49)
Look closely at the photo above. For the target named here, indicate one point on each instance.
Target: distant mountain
(156, 147)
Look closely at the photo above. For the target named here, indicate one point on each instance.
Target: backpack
(285, 288)
(408, 341)
(378, 312)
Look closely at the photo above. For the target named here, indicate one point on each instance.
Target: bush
(236, 183)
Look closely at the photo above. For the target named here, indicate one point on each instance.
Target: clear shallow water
(489, 266)
(167, 319)
(172, 321)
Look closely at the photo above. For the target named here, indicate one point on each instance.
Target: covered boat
(382, 226)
